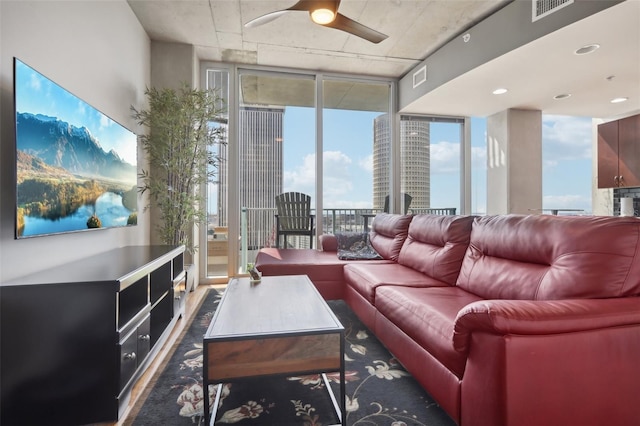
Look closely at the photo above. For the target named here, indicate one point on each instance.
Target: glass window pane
(430, 168)
(355, 152)
(276, 139)
(217, 231)
(567, 176)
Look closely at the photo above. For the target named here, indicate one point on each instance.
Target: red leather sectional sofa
(504, 320)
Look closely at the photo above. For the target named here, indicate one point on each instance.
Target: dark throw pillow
(355, 246)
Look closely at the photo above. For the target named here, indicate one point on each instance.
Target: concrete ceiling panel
(416, 29)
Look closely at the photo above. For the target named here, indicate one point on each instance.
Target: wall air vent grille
(542, 8)
(420, 76)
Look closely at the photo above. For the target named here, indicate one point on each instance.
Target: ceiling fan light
(323, 16)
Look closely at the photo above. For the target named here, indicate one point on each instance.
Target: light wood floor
(138, 393)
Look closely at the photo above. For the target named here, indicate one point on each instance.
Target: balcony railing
(259, 225)
(437, 210)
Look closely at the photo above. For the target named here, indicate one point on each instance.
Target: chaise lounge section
(504, 320)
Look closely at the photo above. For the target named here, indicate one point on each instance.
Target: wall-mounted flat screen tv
(75, 167)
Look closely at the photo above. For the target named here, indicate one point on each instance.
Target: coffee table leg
(343, 400)
(214, 410)
(343, 388)
(338, 407)
(205, 395)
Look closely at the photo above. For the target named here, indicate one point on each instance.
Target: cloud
(366, 163)
(337, 172)
(478, 158)
(340, 177)
(35, 82)
(302, 178)
(81, 109)
(105, 121)
(445, 158)
(337, 182)
(337, 165)
(565, 138)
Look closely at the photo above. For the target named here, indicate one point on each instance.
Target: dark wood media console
(74, 338)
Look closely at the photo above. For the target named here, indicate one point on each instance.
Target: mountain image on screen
(61, 144)
(66, 181)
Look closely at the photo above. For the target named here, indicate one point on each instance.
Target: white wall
(514, 162)
(98, 51)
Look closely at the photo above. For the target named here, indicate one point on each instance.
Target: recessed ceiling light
(587, 49)
(500, 91)
(618, 100)
(562, 96)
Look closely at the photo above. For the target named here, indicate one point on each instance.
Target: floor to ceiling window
(356, 152)
(279, 141)
(567, 176)
(215, 250)
(276, 142)
(430, 169)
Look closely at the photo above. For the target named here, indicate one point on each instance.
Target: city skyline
(348, 165)
(566, 148)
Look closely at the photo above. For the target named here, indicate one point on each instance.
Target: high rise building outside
(415, 158)
(259, 171)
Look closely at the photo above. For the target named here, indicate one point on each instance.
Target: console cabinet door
(608, 155)
(629, 150)
(128, 358)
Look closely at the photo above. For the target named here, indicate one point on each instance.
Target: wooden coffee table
(280, 326)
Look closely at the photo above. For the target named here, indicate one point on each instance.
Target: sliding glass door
(276, 146)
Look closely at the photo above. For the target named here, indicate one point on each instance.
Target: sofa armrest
(328, 242)
(528, 317)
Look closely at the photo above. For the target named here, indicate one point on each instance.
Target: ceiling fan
(325, 13)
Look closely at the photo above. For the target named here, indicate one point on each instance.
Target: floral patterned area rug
(379, 391)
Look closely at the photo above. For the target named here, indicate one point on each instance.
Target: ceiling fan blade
(302, 5)
(353, 27)
(260, 20)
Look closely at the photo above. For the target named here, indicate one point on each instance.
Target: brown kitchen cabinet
(619, 153)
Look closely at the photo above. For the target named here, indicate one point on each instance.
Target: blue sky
(38, 95)
(348, 165)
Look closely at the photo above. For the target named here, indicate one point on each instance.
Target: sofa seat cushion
(314, 263)
(366, 278)
(319, 266)
(436, 245)
(427, 315)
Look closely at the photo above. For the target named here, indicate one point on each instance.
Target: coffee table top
(278, 305)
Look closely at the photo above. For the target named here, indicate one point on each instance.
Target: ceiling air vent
(542, 8)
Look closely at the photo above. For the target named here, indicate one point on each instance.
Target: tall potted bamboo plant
(180, 132)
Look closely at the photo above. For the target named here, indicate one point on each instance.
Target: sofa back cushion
(388, 233)
(544, 257)
(436, 245)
